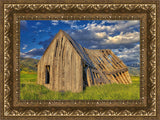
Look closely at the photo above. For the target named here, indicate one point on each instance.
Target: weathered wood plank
(116, 71)
(124, 78)
(121, 63)
(89, 77)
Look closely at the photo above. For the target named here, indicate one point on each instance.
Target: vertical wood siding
(65, 66)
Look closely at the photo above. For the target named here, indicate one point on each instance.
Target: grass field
(29, 90)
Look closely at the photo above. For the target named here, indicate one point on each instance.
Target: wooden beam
(113, 78)
(116, 71)
(109, 62)
(121, 63)
(103, 61)
(88, 77)
(106, 56)
(125, 79)
(122, 78)
(129, 78)
(125, 74)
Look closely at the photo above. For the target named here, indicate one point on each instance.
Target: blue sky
(121, 36)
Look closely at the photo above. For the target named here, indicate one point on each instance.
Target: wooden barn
(67, 66)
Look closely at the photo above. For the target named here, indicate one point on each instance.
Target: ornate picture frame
(11, 12)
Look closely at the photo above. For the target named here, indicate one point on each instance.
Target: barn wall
(66, 72)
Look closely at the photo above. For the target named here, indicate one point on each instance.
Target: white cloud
(113, 21)
(69, 21)
(35, 27)
(77, 27)
(54, 22)
(32, 53)
(73, 24)
(25, 46)
(129, 23)
(100, 27)
(38, 23)
(123, 38)
(24, 55)
(93, 46)
(131, 55)
(100, 34)
(41, 31)
(118, 26)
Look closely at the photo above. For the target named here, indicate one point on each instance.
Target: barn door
(47, 74)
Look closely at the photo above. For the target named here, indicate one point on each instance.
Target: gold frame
(13, 12)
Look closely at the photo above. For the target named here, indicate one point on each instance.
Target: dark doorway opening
(85, 83)
(47, 74)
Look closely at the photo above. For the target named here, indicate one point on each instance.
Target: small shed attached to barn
(67, 66)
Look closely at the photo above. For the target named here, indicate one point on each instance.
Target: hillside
(28, 64)
(134, 71)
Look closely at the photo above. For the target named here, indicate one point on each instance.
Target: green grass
(29, 90)
(28, 77)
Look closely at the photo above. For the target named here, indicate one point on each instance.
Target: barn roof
(79, 49)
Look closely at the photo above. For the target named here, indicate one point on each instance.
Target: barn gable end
(65, 66)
